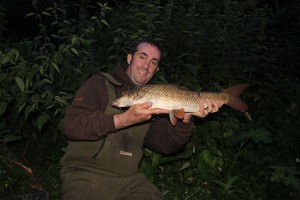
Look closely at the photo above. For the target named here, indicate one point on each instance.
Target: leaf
(29, 109)
(3, 76)
(93, 18)
(45, 80)
(185, 165)
(55, 36)
(3, 106)
(221, 184)
(75, 51)
(66, 22)
(206, 155)
(105, 22)
(215, 129)
(53, 23)
(41, 121)
(248, 116)
(46, 13)
(29, 14)
(20, 83)
(74, 40)
(40, 57)
(77, 70)
(237, 139)
(10, 138)
(100, 4)
(147, 169)
(60, 100)
(55, 66)
(232, 180)
(21, 107)
(262, 135)
(155, 158)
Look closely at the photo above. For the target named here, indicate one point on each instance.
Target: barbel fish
(179, 100)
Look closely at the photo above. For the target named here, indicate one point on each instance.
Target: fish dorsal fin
(181, 87)
(173, 119)
(179, 113)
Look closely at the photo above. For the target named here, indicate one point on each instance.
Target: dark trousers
(90, 186)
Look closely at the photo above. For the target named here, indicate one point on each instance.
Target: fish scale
(175, 97)
(179, 100)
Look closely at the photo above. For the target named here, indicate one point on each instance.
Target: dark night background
(207, 45)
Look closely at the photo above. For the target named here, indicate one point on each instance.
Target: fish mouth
(115, 103)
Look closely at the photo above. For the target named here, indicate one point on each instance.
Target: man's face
(143, 64)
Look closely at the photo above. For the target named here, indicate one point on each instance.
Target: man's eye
(154, 63)
(142, 57)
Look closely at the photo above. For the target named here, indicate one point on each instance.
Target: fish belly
(174, 104)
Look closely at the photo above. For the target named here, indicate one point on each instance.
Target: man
(105, 147)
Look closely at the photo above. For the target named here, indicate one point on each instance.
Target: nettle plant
(38, 78)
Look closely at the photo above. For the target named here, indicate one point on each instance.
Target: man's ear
(129, 58)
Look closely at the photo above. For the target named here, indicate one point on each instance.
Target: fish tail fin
(234, 99)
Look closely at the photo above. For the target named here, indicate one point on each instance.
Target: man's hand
(212, 107)
(135, 114)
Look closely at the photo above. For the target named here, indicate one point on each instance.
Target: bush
(212, 44)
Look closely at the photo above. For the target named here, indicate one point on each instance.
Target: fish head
(127, 99)
(123, 101)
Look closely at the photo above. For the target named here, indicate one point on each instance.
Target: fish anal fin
(173, 119)
(179, 113)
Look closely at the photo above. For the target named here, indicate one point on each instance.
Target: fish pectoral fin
(176, 113)
(138, 95)
(179, 113)
(173, 119)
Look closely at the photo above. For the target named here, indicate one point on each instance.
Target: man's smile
(143, 71)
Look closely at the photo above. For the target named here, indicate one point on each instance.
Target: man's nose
(146, 64)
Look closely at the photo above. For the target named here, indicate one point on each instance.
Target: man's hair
(148, 41)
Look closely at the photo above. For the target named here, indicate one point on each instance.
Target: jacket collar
(120, 74)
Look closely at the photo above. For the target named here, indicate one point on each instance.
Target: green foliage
(285, 175)
(207, 45)
(228, 186)
(43, 76)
